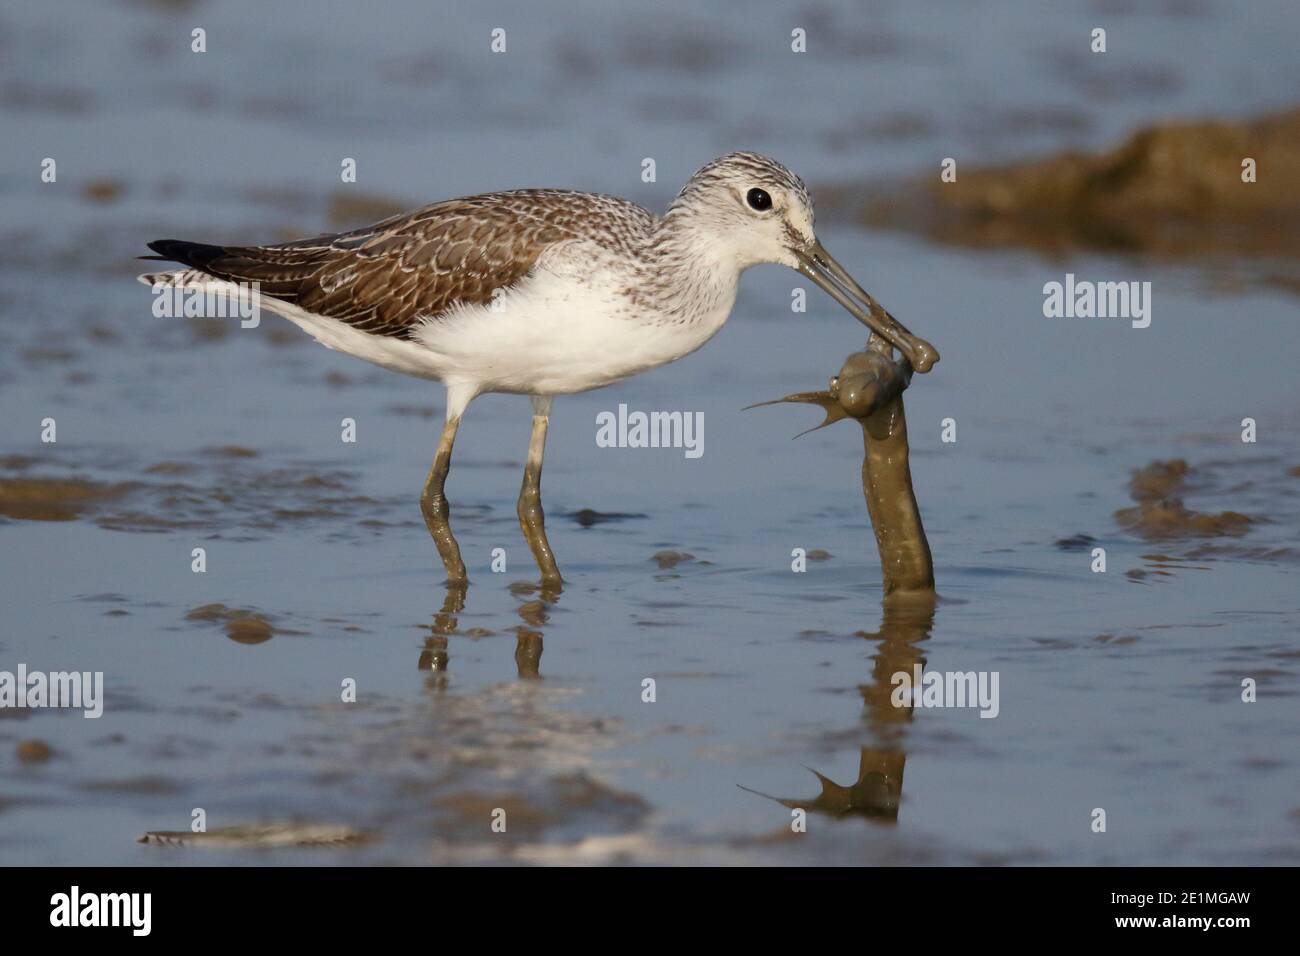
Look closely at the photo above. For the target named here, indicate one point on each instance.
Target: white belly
(561, 331)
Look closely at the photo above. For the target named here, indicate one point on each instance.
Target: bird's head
(757, 211)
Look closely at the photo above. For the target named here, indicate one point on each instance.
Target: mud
(1170, 189)
(241, 625)
(33, 751)
(347, 209)
(265, 836)
(103, 190)
(201, 492)
(589, 517)
(53, 499)
(1160, 513)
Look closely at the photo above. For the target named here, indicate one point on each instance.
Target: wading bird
(537, 292)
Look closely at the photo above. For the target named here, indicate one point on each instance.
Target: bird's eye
(758, 199)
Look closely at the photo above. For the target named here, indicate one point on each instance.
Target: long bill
(819, 266)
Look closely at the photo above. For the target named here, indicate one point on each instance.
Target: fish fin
(827, 402)
(767, 796)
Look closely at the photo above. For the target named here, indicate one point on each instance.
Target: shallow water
(1118, 690)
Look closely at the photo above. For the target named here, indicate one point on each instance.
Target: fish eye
(758, 199)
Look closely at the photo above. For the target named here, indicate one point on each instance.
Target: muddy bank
(1172, 189)
(54, 499)
(1258, 526)
(204, 492)
(263, 836)
(243, 626)
(1159, 513)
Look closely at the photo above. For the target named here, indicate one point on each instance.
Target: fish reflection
(878, 789)
(902, 628)
(869, 388)
(875, 794)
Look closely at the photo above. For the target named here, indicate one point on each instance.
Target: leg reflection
(434, 656)
(534, 612)
(528, 652)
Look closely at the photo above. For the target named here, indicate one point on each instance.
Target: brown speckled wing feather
(386, 278)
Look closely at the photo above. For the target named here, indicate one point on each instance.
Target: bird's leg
(433, 503)
(532, 520)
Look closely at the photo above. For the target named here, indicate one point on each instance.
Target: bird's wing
(386, 278)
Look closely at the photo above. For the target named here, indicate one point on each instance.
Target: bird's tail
(196, 255)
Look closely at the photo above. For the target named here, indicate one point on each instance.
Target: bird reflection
(534, 612)
(434, 656)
